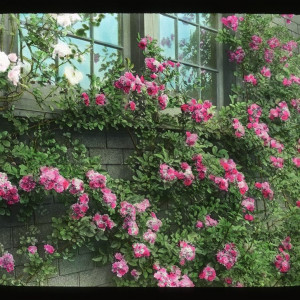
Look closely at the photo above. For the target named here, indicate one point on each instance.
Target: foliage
(30, 144)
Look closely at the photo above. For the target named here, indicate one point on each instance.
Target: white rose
(73, 76)
(61, 49)
(4, 62)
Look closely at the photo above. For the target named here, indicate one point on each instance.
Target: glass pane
(208, 48)
(209, 20)
(85, 66)
(189, 80)
(104, 55)
(167, 36)
(189, 17)
(78, 25)
(187, 42)
(109, 30)
(209, 86)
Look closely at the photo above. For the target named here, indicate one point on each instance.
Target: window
(189, 38)
(100, 44)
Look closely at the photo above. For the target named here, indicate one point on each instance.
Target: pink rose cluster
(80, 208)
(232, 22)
(191, 138)
(255, 42)
(135, 274)
(296, 104)
(273, 42)
(120, 266)
(237, 55)
(286, 244)
(144, 42)
(201, 169)
(27, 183)
(250, 79)
(199, 112)
(210, 222)
(282, 261)
(172, 278)
(163, 100)
(32, 249)
(239, 128)
(51, 179)
(233, 175)
(290, 46)
(281, 111)
(261, 129)
(228, 256)
(221, 182)
(296, 161)
(167, 173)
(187, 176)
(128, 212)
(142, 206)
(208, 273)
(248, 205)
(265, 72)
(7, 262)
(49, 249)
(96, 179)
(128, 82)
(153, 224)
(149, 236)
(291, 80)
(140, 250)
(76, 186)
(277, 162)
(265, 189)
(8, 192)
(268, 55)
(187, 252)
(287, 17)
(103, 221)
(100, 99)
(109, 198)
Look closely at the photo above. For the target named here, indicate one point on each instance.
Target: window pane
(209, 86)
(187, 42)
(103, 55)
(188, 80)
(109, 30)
(189, 17)
(209, 20)
(78, 25)
(85, 66)
(208, 50)
(167, 36)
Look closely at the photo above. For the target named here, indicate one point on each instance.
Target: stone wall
(113, 147)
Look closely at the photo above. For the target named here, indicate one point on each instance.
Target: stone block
(80, 263)
(45, 213)
(96, 277)
(91, 138)
(119, 172)
(12, 220)
(67, 280)
(45, 230)
(6, 237)
(126, 154)
(119, 139)
(108, 156)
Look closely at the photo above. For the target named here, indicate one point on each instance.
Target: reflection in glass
(109, 30)
(189, 17)
(209, 86)
(84, 66)
(104, 55)
(187, 42)
(209, 20)
(208, 50)
(167, 36)
(189, 80)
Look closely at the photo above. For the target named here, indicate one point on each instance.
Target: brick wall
(114, 147)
